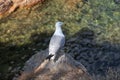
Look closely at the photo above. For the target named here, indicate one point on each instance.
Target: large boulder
(63, 68)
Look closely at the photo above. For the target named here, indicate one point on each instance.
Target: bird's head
(58, 24)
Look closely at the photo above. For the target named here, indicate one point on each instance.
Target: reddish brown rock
(8, 6)
(23, 3)
(5, 5)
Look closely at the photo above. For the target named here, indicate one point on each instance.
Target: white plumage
(57, 40)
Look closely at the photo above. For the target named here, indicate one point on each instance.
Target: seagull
(57, 41)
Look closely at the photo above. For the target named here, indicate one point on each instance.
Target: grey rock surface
(64, 68)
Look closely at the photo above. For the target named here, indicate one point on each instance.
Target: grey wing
(56, 43)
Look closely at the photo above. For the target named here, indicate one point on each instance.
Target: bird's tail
(49, 56)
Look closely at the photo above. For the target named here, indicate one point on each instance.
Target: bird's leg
(49, 56)
(53, 57)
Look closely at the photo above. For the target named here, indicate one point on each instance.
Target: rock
(23, 3)
(35, 60)
(8, 6)
(64, 68)
(5, 5)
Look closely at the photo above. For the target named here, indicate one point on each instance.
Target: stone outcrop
(5, 5)
(8, 6)
(64, 68)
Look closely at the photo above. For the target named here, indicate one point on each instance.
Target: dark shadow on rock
(42, 39)
(96, 57)
(12, 57)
